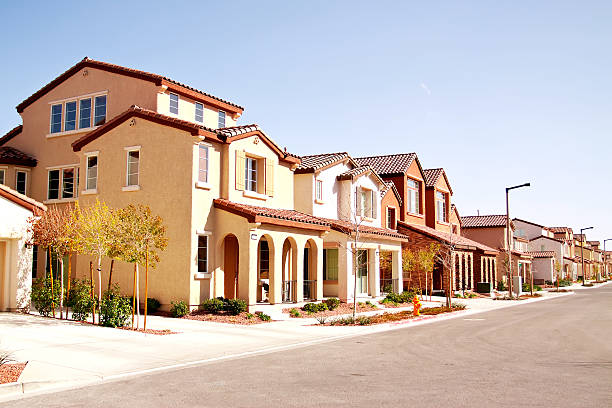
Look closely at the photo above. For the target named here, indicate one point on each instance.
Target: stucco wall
(187, 111)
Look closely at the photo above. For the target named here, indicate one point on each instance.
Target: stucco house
(570, 263)
(438, 193)
(16, 255)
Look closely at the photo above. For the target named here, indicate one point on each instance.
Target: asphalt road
(556, 353)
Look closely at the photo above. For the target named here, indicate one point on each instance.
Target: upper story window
(441, 207)
(71, 116)
(174, 103)
(92, 172)
(319, 190)
(2, 175)
(199, 112)
(413, 196)
(391, 221)
(250, 175)
(133, 165)
(366, 203)
(85, 113)
(202, 253)
(100, 110)
(21, 179)
(203, 163)
(221, 119)
(61, 183)
(56, 118)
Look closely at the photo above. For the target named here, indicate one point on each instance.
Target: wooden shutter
(269, 177)
(240, 158)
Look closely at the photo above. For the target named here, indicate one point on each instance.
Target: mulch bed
(242, 318)
(344, 308)
(10, 372)
(404, 315)
(150, 331)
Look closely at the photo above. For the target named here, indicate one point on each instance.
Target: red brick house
(438, 194)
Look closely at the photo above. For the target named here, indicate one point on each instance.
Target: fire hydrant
(416, 303)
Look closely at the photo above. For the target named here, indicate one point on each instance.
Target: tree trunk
(134, 297)
(52, 289)
(426, 284)
(110, 274)
(137, 297)
(93, 297)
(146, 286)
(100, 280)
(531, 279)
(61, 305)
(68, 283)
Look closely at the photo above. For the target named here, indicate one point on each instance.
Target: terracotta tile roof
(11, 134)
(483, 221)
(234, 133)
(446, 237)
(391, 185)
(273, 215)
(594, 243)
(393, 164)
(353, 173)
(579, 237)
(155, 78)
(319, 161)
(348, 227)
(541, 254)
(238, 130)
(545, 237)
(10, 155)
(561, 229)
(21, 199)
(432, 176)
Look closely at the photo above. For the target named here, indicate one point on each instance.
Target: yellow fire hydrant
(416, 303)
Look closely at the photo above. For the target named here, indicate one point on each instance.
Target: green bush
(212, 305)
(235, 306)
(315, 307)
(153, 305)
(294, 312)
(264, 317)
(42, 299)
(564, 282)
(404, 297)
(249, 315)
(115, 310)
(332, 303)
(179, 309)
(501, 285)
(80, 300)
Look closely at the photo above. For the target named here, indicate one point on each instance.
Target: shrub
(332, 303)
(501, 285)
(343, 321)
(212, 305)
(153, 305)
(264, 317)
(315, 307)
(179, 309)
(235, 306)
(321, 319)
(249, 315)
(564, 282)
(294, 312)
(364, 320)
(388, 288)
(41, 296)
(80, 300)
(115, 310)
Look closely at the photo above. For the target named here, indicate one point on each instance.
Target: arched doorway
(289, 271)
(230, 267)
(265, 257)
(310, 270)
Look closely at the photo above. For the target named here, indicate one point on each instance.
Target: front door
(230, 266)
(362, 271)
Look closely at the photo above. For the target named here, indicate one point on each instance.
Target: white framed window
(2, 176)
(92, 172)
(199, 112)
(202, 253)
(61, 183)
(250, 176)
(100, 110)
(330, 264)
(53, 184)
(68, 182)
(174, 103)
(441, 207)
(366, 205)
(319, 190)
(85, 113)
(413, 196)
(133, 166)
(391, 221)
(21, 181)
(203, 163)
(56, 118)
(221, 123)
(70, 118)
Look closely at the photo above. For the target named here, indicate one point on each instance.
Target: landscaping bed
(150, 331)
(342, 308)
(242, 318)
(392, 317)
(10, 372)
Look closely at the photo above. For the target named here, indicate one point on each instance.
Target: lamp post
(582, 253)
(605, 256)
(509, 235)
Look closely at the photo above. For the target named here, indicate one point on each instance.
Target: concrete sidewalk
(63, 354)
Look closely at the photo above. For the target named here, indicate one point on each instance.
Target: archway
(289, 271)
(230, 266)
(265, 268)
(310, 270)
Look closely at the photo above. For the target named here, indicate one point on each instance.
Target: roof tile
(482, 221)
(10, 155)
(389, 164)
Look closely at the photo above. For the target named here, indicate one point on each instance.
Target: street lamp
(582, 253)
(606, 256)
(509, 235)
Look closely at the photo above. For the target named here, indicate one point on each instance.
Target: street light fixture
(582, 253)
(606, 256)
(509, 235)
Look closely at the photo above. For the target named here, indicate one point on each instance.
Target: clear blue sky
(497, 93)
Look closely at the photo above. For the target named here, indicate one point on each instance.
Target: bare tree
(445, 256)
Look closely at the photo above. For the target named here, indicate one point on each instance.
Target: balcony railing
(389, 286)
(310, 289)
(289, 291)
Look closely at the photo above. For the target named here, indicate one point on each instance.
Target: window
(2, 176)
(413, 199)
(199, 112)
(366, 205)
(319, 190)
(250, 178)
(100, 110)
(70, 117)
(133, 161)
(174, 103)
(21, 178)
(68, 183)
(221, 119)
(61, 183)
(441, 215)
(330, 264)
(203, 163)
(264, 259)
(53, 185)
(92, 173)
(85, 113)
(56, 118)
(202, 254)
(34, 261)
(390, 217)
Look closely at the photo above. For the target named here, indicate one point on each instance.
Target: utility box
(484, 287)
(517, 285)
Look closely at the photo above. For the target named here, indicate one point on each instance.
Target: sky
(497, 93)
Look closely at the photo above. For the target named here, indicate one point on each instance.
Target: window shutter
(240, 170)
(374, 207)
(269, 177)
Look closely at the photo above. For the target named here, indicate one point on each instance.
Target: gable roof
(531, 223)
(389, 185)
(433, 175)
(541, 254)
(234, 133)
(390, 165)
(483, 221)
(548, 238)
(11, 134)
(312, 163)
(134, 73)
(347, 227)
(10, 155)
(447, 237)
(561, 229)
(21, 199)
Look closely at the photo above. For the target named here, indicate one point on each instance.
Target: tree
(409, 263)
(426, 261)
(445, 256)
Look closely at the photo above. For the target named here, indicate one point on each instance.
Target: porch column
(247, 276)
(460, 271)
(481, 268)
(374, 272)
(319, 272)
(471, 256)
(396, 269)
(344, 272)
(300, 272)
(453, 272)
(276, 273)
